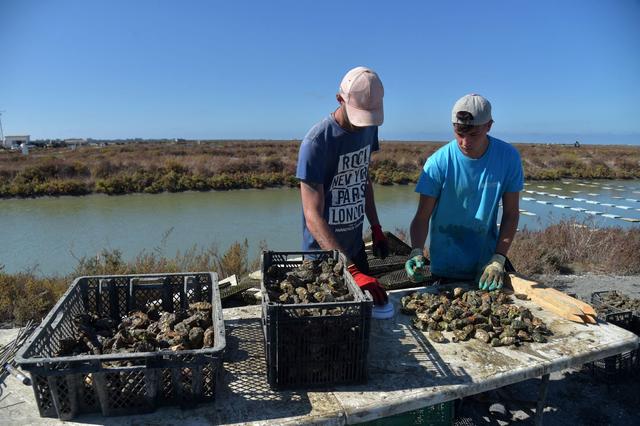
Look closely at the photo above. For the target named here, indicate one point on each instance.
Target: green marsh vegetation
(218, 165)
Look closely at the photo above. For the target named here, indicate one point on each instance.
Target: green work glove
(416, 266)
(492, 273)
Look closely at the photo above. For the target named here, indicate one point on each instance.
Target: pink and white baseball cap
(362, 92)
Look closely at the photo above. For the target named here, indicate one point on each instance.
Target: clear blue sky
(553, 70)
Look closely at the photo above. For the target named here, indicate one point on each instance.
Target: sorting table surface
(407, 371)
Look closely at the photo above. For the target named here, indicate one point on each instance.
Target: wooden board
(553, 300)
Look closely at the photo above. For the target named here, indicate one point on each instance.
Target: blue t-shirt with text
(339, 160)
(463, 228)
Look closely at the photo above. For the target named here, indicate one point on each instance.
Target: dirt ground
(576, 396)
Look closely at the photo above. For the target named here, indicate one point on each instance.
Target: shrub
(572, 246)
(23, 296)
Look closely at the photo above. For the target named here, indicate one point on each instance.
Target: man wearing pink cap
(333, 168)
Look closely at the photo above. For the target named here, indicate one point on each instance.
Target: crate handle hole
(57, 319)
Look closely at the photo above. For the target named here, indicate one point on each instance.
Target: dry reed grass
(221, 165)
(574, 247)
(25, 295)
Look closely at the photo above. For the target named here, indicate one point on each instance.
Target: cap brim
(363, 117)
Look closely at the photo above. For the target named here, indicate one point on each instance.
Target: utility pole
(1, 131)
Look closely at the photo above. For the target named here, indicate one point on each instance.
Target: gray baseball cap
(471, 110)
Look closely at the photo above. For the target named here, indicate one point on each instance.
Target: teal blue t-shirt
(463, 228)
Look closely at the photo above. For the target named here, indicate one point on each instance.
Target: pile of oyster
(486, 316)
(614, 302)
(314, 281)
(141, 331)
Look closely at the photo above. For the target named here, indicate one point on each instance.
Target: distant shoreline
(154, 167)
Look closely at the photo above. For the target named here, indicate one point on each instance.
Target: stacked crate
(626, 364)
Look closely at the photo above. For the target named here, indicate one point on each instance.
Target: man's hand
(365, 282)
(493, 273)
(416, 266)
(380, 243)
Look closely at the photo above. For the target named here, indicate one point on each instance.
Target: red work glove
(365, 282)
(380, 243)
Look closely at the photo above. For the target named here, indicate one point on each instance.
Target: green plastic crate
(435, 415)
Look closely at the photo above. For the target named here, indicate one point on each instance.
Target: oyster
(139, 331)
(437, 336)
(208, 338)
(482, 335)
(167, 321)
(491, 317)
(196, 336)
(460, 335)
(200, 306)
(420, 325)
(538, 338)
(313, 281)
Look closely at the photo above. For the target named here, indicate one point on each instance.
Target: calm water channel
(50, 233)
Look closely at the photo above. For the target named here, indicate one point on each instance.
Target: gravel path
(584, 285)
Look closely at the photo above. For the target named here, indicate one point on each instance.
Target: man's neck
(484, 148)
(342, 120)
(480, 151)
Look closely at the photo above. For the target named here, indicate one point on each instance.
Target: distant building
(14, 142)
(75, 142)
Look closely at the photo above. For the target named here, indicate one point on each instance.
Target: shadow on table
(401, 357)
(245, 395)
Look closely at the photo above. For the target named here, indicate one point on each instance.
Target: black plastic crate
(635, 323)
(390, 263)
(314, 351)
(398, 254)
(67, 386)
(396, 245)
(622, 365)
(617, 367)
(613, 315)
(399, 279)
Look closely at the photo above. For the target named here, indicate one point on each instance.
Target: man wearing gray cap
(333, 168)
(460, 187)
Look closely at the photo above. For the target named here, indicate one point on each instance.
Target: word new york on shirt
(347, 190)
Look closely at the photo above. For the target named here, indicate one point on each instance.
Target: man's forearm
(508, 227)
(312, 206)
(418, 232)
(320, 230)
(370, 205)
(420, 223)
